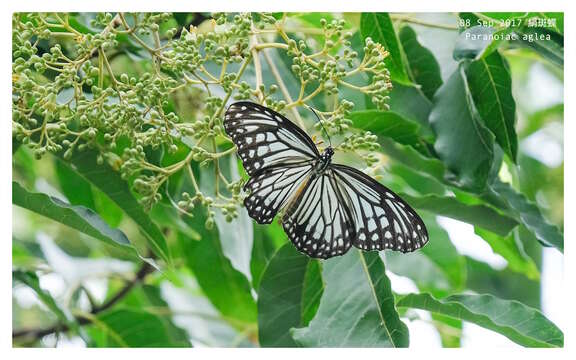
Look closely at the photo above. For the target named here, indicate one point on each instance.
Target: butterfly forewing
(317, 220)
(382, 219)
(265, 138)
(270, 189)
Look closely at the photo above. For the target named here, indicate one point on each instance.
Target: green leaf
(110, 183)
(263, 250)
(225, 286)
(387, 124)
(23, 167)
(281, 300)
(143, 304)
(536, 180)
(559, 18)
(510, 248)
(450, 330)
(421, 269)
(410, 102)
(529, 215)
(132, 327)
(421, 182)
(357, 307)
(108, 209)
(423, 65)
(549, 44)
(471, 18)
(437, 267)
(523, 325)
(472, 42)
(313, 290)
(26, 254)
(477, 214)
(491, 87)
(78, 191)
(463, 143)
(378, 26)
(413, 159)
(76, 217)
(31, 280)
(505, 284)
(15, 145)
(548, 41)
(538, 119)
(236, 245)
(500, 37)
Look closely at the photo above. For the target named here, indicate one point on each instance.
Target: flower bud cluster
(134, 88)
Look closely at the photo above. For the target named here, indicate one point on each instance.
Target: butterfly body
(327, 207)
(324, 161)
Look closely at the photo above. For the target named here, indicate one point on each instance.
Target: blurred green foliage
(128, 228)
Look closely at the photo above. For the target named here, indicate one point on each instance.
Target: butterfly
(326, 207)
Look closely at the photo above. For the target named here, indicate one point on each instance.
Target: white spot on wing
(262, 150)
(371, 225)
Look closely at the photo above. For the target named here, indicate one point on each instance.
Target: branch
(38, 334)
(417, 21)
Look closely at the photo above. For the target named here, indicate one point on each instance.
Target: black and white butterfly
(327, 207)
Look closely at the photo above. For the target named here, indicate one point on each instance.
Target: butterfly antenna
(321, 124)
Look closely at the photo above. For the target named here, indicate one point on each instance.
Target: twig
(37, 334)
(235, 81)
(114, 23)
(423, 22)
(257, 67)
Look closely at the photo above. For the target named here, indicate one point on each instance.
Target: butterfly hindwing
(265, 138)
(317, 221)
(270, 189)
(382, 219)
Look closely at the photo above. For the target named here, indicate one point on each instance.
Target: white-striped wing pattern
(265, 138)
(327, 207)
(382, 219)
(318, 222)
(271, 189)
